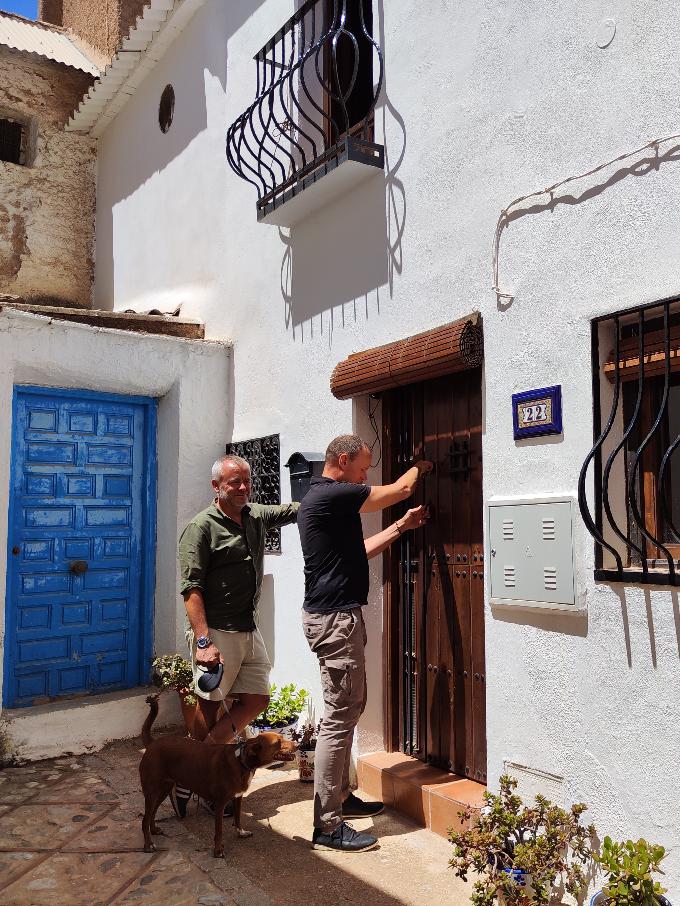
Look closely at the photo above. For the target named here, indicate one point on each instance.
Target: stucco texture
(47, 206)
(101, 23)
(483, 102)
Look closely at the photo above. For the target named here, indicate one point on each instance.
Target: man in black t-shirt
(336, 588)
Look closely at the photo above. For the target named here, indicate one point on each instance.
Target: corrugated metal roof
(157, 27)
(46, 41)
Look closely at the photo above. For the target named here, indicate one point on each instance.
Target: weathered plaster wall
(101, 23)
(184, 375)
(47, 206)
(483, 102)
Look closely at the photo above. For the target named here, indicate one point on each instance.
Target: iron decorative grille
(636, 383)
(315, 101)
(263, 456)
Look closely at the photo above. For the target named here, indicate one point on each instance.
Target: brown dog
(219, 773)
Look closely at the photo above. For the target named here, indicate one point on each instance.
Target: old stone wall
(102, 23)
(47, 205)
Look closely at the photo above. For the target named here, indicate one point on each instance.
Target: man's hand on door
(414, 518)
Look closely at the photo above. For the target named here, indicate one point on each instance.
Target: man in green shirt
(221, 555)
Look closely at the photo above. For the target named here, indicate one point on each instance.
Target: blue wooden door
(81, 539)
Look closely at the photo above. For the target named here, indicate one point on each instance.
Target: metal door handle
(78, 567)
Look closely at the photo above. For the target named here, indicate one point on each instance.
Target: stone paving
(70, 835)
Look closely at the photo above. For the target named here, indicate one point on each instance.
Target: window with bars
(12, 141)
(264, 458)
(635, 513)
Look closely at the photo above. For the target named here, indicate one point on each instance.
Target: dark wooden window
(12, 141)
(659, 506)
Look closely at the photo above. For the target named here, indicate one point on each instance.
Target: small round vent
(166, 108)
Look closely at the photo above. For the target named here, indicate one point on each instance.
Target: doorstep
(429, 796)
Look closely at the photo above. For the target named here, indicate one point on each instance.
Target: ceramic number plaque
(537, 412)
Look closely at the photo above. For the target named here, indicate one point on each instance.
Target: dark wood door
(436, 707)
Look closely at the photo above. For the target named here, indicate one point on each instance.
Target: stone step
(429, 796)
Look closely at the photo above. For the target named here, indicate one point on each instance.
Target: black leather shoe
(344, 839)
(353, 807)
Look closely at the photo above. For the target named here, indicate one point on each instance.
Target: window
(12, 141)
(635, 519)
(353, 79)
(264, 458)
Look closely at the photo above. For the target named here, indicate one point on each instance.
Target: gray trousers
(338, 640)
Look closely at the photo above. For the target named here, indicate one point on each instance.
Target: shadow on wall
(139, 142)
(354, 247)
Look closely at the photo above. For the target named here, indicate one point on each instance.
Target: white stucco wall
(186, 376)
(483, 102)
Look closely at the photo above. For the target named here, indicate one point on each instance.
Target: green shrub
(629, 867)
(545, 841)
(172, 671)
(284, 706)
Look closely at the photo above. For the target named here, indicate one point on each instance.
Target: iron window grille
(12, 141)
(315, 101)
(636, 427)
(264, 457)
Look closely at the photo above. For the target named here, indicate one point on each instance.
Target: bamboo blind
(444, 350)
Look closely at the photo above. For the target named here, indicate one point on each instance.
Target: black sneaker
(344, 839)
(179, 797)
(353, 807)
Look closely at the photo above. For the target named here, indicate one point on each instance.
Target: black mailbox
(303, 466)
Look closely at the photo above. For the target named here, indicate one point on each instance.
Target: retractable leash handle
(209, 681)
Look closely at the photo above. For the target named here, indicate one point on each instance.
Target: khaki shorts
(246, 663)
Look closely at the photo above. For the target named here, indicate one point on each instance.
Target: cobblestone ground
(70, 835)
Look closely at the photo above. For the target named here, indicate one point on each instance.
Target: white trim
(158, 26)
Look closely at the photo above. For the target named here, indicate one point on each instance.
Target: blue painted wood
(83, 494)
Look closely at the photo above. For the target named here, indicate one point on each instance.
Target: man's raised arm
(385, 495)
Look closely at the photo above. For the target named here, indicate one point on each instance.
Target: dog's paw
(243, 833)
(150, 848)
(218, 852)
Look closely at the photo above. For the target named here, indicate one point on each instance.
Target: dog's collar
(239, 752)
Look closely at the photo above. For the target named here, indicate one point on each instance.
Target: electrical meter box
(531, 552)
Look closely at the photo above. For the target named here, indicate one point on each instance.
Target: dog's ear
(252, 752)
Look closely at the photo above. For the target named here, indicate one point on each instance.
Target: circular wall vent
(166, 108)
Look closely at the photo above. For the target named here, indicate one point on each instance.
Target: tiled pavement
(70, 835)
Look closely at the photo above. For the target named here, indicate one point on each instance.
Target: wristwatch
(203, 641)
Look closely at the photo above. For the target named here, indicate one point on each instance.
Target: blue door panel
(80, 544)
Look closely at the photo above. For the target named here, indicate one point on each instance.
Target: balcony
(308, 136)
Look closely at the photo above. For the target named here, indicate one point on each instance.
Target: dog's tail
(148, 723)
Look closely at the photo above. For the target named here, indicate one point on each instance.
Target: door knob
(78, 567)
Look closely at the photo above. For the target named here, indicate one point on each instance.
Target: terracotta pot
(305, 763)
(188, 710)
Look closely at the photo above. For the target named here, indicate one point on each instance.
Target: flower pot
(286, 731)
(305, 763)
(188, 709)
(599, 899)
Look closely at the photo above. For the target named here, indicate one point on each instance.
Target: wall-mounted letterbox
(303, 466)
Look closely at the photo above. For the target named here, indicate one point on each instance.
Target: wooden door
(436, 708)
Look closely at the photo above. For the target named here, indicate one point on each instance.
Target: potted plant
(629, 867)
(283, 711)
(172, 671)
(306, 736)
(522, 854)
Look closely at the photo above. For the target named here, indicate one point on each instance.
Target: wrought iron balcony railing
(315, 103)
